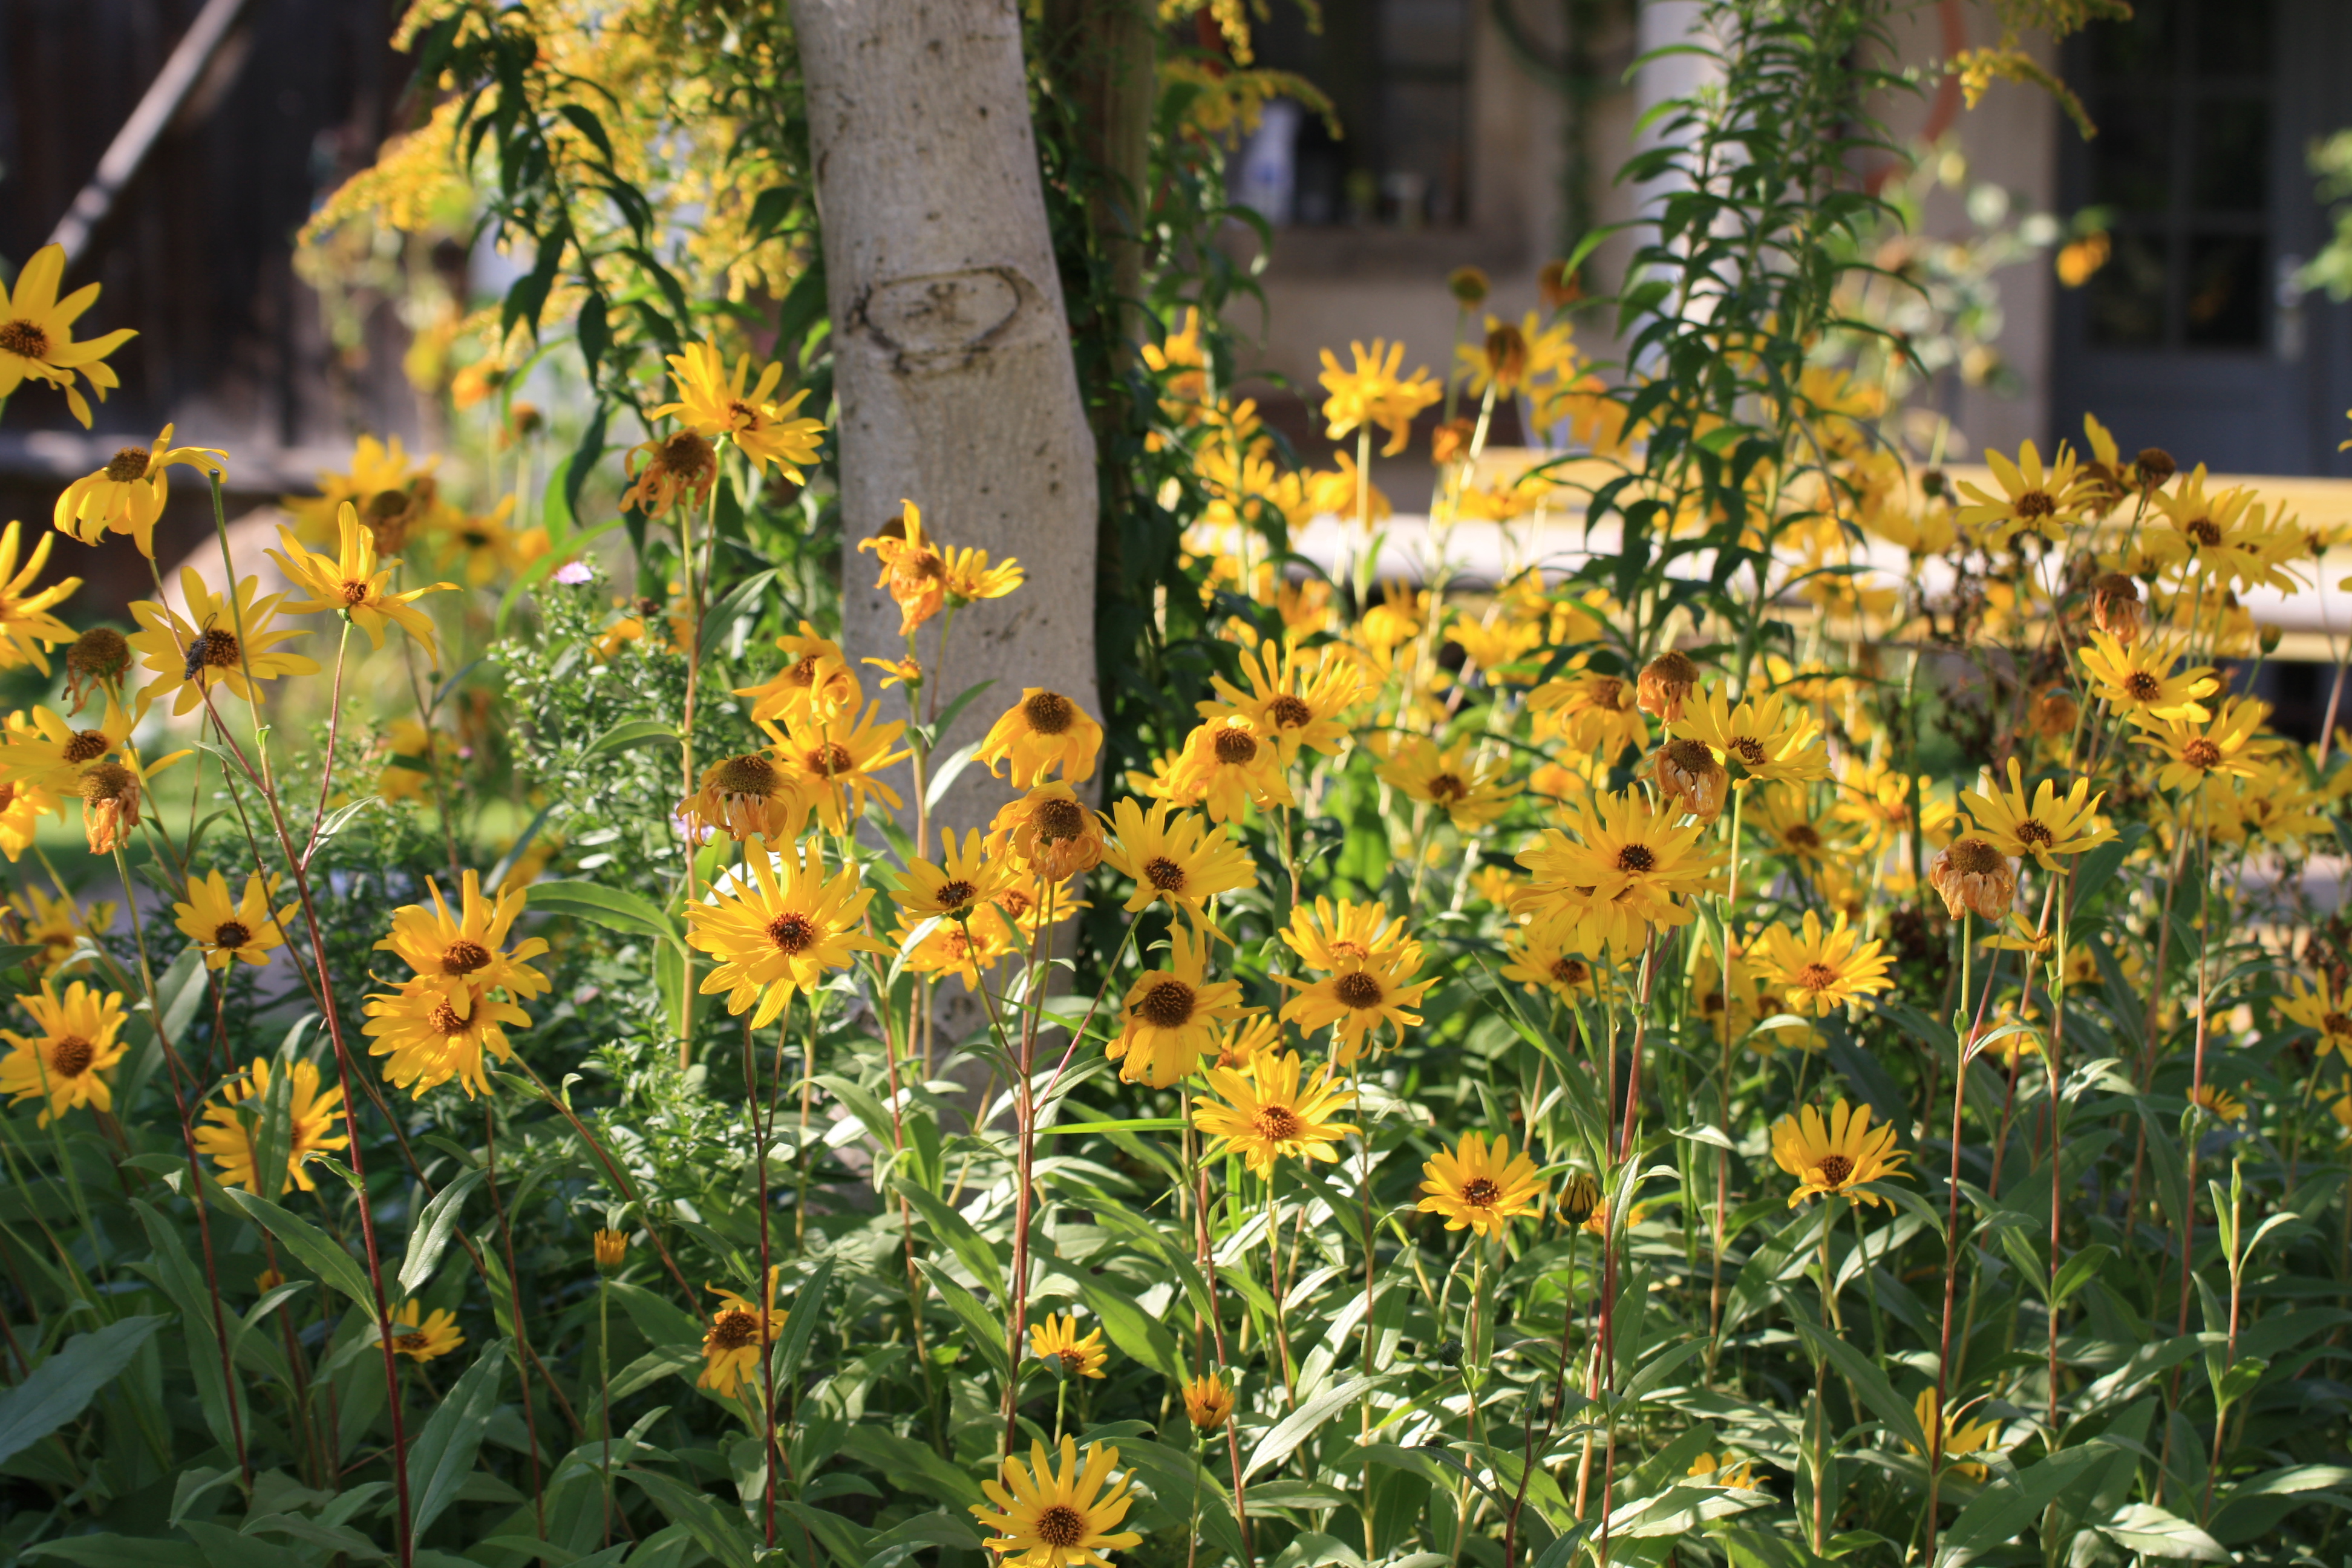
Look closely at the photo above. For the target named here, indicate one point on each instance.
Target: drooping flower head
(127, 496)
(1042, 733)
(1049, 830)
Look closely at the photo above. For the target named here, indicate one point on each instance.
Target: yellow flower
(740, 1331)
(1041, 733)
(484, 543)
(355, 584)
(430, 1041)
(967, 576)
(1046, 1518)
(434, 1336)
(709, 403)
(612, 1249)
(1294, 700)
(1248, 1042)
(56, 925)
(2225, 746)
(779, 935)
(1731, 1471)
(27, 630)
(1171, 1016)
(1359, 998)
(2327, 1010)
(1629, 859)
(1784, 816)
(1835, 1157)
(819, 677)
(683, 466)
(192, 654)
(1208, 1402)
(1266, 1113)
(1472, 794)
(1770, 737)
(231, 1136)
(1328, 936)
(1822, 971)
(465, 955)
(1227, 768)
(1545, 955)
(2033, 500)
(832, 763)
(380, 484)
(2043, 827)
(226, 930)
(2219, 1104)
(1481, 1186)
(960, 949)
(1373, 394)
(128, 495)
(912, 568)
(1176, 855)
(747, 796)
(1960, 1437)
(36, 338)
(1056, 1340)
(966, 882)
(1593, 711)
(62, 1062)
(1050, 831)
(2198, 528)
(50, 755)
(1885, 802)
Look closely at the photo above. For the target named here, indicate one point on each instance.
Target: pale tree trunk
(951, 347)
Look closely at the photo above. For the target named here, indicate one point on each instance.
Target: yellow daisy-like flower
(968, 577)
(1294, 700)
(1042, 732)
(1823, 970)
(2197, 528)
(1482, 1186)
(779, 934)
(127, 496)
(1472, 794)
(1226, 768)
(2033, 500)
(1731, 1471)
(1176, 855)
(818, 677)
(1769, 737)
(56, 925)
(226, 930)
(1834, 1158)
(1056, 1340)
(381, 482)
(748, 796)
(1328, 936)
(1050, 831)
(355, 584)
(1592, 711)
(1208, 1402)
(75, 1043)
(1547, 955)
(964, 883)
(740, 1333)
(1784, 817)
(611, 1250)
(423, 1337)
(1267, 1113)
(2139, 681)
(2227, 745)
(1046, 1518)
(50, 755)
(1373, 394)
(2219, 1104)
(1246, 1043)
(1359, 998)
(1960, 1436)
(432, 1031)
(484, 543)
(231, 1138)
(27, 630)
(1172, 1014)
(36, 340)
(2325, 1010)
(710, 404)
(964, 951)
(832, 761)
(1629, 857)
(2044, 825)
(193, 653)
(913, 568)
(1887, 802)
(465, 954)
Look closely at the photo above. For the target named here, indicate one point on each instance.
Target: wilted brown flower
(2115, 606)
(1974, 878)
(1686, 770)
(1666, 681)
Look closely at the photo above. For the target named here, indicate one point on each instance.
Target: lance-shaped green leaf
(61, 1387)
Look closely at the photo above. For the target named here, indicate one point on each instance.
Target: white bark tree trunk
(952, 346)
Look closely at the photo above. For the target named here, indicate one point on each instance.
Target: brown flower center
(800, 671)
(1636, 859)
(1343, 948)
(1480, 1192)
(1358, 989)
(734, 1329)
(955, 895)
(1167, 1006)
(1017, 904)
(356, 592)
(2335, 1023)
(685, 455)
(214, 648)
(2141, 685)
(1607, 691)
(445, 1020)
(464, 956)
(1236, 748)
(1835, 1169)
(831, 760)
(1074, 1361)
(749, 773)
(792, 933)
(2202, 755)
(1048, 713)
(386, 505)
(24, 339)
(1570, 971)
(111, 781)
(2036, 503)
(411, 1342)
(1059, 1524)
(1277, 1124)
(1804, 836)
(1816, 977)
(1164, 874)
(1974, 856)
(231, 934)
(1289, 712)
(129, 464)
(2203, 531)
(2032, 831)
(71, 1055)
(1057, 818)
(1446, 789)
(84, 744)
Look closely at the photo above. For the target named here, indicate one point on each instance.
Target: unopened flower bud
(1579, 1196)
(1469, 286)
(2155, 466)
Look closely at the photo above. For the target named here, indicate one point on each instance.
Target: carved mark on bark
(943, 321)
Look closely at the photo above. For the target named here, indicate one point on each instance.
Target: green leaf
(661, 1323)
(314, 1247)
(61, 1387)
(442, 1455)
(225, 1548)
(954, 1232)
(1750, 1548)
(2009, 1504)
(1132, 1330)
(1300, 1424)
(721, 1532)
(629, 734)
(937, 1529)
(987, 1329)
(118, 1551)
(434, 1229)
(2144, 1527)
(615, 909)
(801, 1322)
(1869, 1382)
(911, 1465)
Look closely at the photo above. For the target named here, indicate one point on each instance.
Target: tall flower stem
(514, 1302)
(693, 652)
(1025, 1102)
(1966, 1043)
